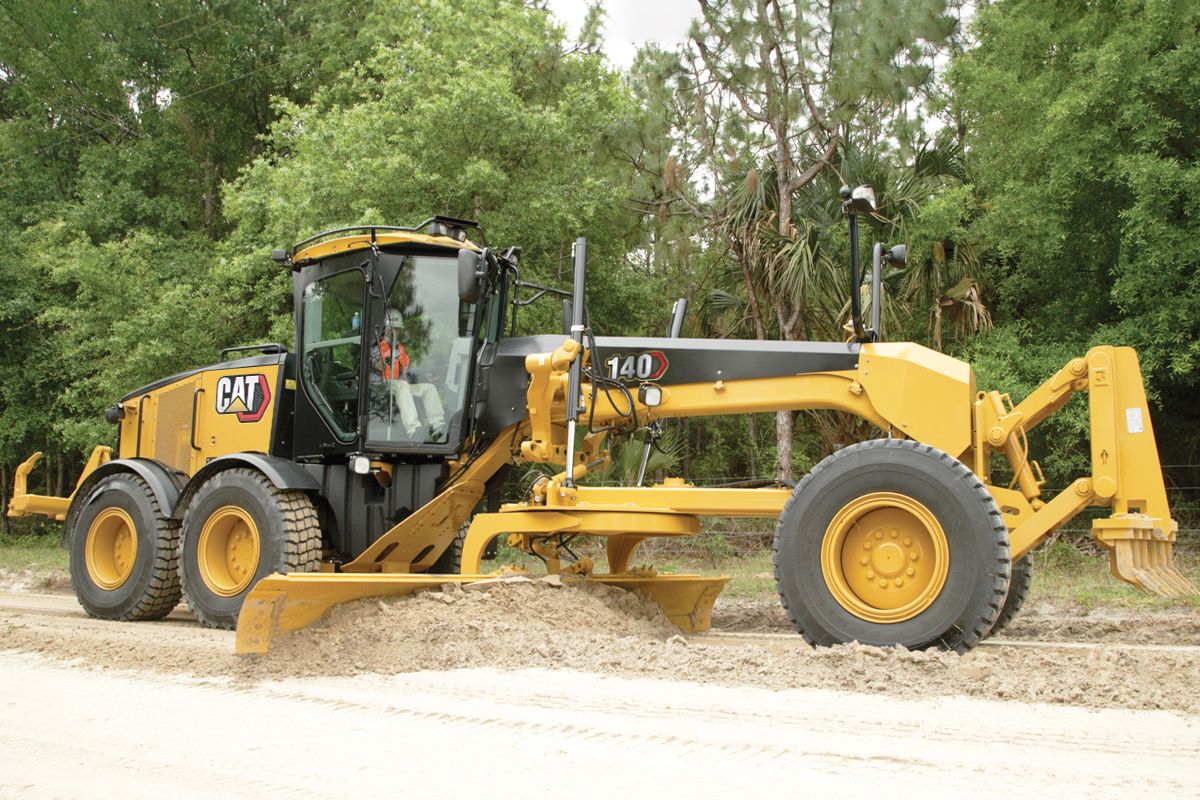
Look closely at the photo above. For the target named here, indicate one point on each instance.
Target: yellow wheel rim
(110, 550)
(885, 557)
(228, 551)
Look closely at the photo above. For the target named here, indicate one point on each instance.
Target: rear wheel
(239, 528)
(123, 553)
(1018, 589)
(891, 542)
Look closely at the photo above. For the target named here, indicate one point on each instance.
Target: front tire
(450, 561)
(239, 528)
(890, 542)
(1018, 590)
(123, 553)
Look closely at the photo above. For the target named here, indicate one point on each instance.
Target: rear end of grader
(901, 540)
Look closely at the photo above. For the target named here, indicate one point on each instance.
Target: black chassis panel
(688, 361)
(707, 360)
(362, 510)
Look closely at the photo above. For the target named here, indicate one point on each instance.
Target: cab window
(331, 322)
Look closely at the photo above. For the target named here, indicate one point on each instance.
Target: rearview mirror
(468, 275)
(897, 256)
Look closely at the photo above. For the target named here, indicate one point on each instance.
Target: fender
(164, 482)
(284, 474)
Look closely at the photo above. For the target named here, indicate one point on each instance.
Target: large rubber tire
(955, 612)
(1018, 588)
(279, 527)
(123, 553)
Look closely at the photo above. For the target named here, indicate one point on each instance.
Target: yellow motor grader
(370, 461)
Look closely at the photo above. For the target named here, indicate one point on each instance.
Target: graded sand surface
(531, 690)
(530, 624)
(77, 732)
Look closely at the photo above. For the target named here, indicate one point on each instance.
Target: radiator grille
(173, 430)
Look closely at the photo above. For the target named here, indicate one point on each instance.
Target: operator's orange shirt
(395, 363)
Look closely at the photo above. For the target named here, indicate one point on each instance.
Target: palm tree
(793, 285)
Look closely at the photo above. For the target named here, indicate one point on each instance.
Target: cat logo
(247, 396)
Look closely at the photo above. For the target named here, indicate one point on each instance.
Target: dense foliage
(152, 154)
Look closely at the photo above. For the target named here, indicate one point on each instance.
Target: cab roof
(446, 232)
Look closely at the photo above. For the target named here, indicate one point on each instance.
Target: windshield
(419, 358)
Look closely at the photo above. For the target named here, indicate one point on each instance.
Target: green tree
(1081, 122)
(775, 89)
(489, 114)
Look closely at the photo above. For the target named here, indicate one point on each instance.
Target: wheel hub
(884, 557)
(110, 551)
(228, 551)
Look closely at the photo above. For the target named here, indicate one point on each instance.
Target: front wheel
(891, 542)
(450, 561)
(1018, 590)
(239, 528)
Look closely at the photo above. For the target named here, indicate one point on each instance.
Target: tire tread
(302, 544)
(957, 639)
(164, 590)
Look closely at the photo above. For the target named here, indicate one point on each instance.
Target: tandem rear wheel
(237, 529)
(123, 552)
(890, 542)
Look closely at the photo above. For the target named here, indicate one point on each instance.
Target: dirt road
(73, 732)
(91, 708)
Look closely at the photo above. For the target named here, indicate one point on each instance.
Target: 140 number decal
(647, 366)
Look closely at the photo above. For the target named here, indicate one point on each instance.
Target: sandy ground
(588, 691)
(74, 732)
(1043, 621)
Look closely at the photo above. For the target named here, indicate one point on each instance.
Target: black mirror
(468, 275)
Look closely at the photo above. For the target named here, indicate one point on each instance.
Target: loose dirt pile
(598, 629)
(516, 623)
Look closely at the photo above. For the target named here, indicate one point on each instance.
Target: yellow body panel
(348, 244)
(233, 411)
(924, 394)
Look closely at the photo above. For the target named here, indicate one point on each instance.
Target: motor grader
(273, 485)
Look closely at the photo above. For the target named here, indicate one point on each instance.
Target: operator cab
(386, 344)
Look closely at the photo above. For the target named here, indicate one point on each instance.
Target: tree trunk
(58, 476)
(752, 432)
(783, 444)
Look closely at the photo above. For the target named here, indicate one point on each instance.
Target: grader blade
(686, 600)
(280, 603)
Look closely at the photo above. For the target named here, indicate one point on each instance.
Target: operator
(391, 361)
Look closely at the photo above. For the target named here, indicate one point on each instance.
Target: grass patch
(1077, 573)
(40, 555)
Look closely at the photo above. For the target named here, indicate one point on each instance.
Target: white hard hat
(393, 318)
